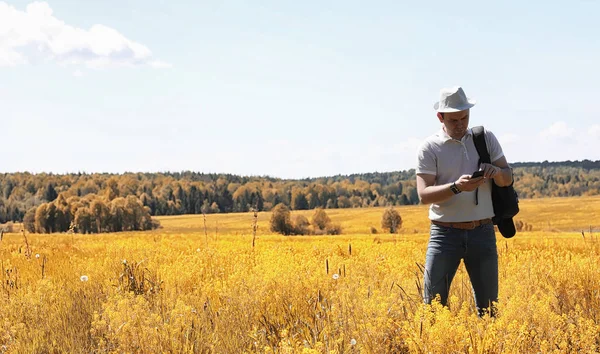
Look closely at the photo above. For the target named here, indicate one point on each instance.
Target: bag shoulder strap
(480, 145)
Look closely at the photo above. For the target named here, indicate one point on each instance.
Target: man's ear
(440, 117)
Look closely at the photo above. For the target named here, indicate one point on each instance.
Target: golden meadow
(199, 286)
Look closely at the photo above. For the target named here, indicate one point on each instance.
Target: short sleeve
(426, 161)
(493, 146)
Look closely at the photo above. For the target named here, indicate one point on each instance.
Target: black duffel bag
(504, 199)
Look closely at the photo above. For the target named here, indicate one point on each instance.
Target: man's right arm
(431, 193)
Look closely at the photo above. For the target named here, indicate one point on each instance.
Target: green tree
(50, 193)
(413, 195)
(135, 210)
(8, 188)
(112, 188)
(301, 225)
(63, 214)
(320, 219)
(51, 218)
(119, 217)
(299, 201)
(281, 221)
(100, 214)
(330, 204)
(41, 217)
(343, 202)
(29, 220)
(84, 221)
(404, 200)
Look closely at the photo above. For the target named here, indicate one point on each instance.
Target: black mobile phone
(477, 174)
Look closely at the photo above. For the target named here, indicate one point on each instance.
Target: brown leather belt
(466, 225)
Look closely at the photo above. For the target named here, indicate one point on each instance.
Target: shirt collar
(445, 137)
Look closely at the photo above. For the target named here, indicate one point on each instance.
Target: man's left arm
(499, 170)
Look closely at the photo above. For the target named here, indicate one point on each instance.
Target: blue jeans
(477, 247)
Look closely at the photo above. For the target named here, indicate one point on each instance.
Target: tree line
(89, 214)
(174, 193)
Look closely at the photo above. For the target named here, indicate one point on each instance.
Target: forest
(102, 202)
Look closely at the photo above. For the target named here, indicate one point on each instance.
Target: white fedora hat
(453, 99)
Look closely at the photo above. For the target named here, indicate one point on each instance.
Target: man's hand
(499, 171)
(467, 184)
(489, 170)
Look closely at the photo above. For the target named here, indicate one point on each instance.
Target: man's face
(456, 123)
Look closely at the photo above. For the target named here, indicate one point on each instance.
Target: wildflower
(124, 261)
(352, 341)
(84, 278)
(37, 255)
(336, 276)
(197, 250)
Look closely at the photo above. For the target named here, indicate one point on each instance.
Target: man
(461, 208)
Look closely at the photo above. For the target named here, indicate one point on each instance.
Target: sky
(289, 89)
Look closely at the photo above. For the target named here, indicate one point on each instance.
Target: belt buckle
(474, 223)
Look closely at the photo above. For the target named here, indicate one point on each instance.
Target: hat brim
(466, 106)
(507, 227)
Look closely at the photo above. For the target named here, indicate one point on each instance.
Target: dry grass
(175, 290)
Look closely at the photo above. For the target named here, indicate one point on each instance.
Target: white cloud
(557, 142)
(594, 131)
(557, 130)
(35, 35)
(158, 64)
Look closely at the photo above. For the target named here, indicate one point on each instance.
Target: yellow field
(179, 290)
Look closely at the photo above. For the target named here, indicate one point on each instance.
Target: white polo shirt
(448, 159)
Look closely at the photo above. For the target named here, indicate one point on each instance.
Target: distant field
(550, 214)
(179, 290)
